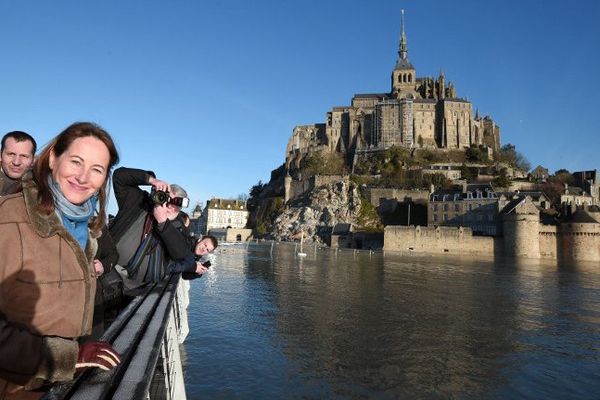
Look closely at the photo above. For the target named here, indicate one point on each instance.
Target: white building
(223, 214)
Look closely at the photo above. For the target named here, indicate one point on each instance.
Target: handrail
(142, 335)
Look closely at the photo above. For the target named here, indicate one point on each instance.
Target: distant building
(588, 181)
(223, 214)
(417, 113)
(539, 174)
(474, 206)
(574, 197)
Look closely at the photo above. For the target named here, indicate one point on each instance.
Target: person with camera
(144, 229)
(196, 264)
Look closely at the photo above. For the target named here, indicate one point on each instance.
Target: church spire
(402, 51)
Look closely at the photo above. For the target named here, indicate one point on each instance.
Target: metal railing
(147, 334)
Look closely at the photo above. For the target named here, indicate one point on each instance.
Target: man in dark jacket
(145, 231)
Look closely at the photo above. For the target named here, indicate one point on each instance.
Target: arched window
(409, 77)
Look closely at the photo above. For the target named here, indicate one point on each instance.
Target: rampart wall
(375, 194)
(576, 241)
(438, 240)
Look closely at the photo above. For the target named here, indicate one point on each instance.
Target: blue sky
(206, 93)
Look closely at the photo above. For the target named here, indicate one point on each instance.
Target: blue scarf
(74, 218)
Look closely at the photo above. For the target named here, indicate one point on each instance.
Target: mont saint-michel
(416, 169)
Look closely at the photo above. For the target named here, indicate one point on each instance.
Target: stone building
(417, 112)
(474, 206)
(223, 214)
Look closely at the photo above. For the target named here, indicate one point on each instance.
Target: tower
(403, 76)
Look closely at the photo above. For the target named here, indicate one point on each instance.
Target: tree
(510, 155)
(323, 162)
(501, 180)
(256, 189)
(476, 155)
(562, 176)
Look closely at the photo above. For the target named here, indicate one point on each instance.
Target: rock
(318, 211)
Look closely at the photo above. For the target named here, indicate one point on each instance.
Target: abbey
(417, 113)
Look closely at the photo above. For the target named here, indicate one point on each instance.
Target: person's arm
(186, 264)
(127, 182)
(107, 253)
(174, 241)
(24, 354)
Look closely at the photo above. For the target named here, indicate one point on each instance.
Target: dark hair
(58, 145)
(19, 136)
(212, 239)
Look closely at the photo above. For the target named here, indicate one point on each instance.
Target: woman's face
(81, 170)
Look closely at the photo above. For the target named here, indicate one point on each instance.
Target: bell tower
(404, 75)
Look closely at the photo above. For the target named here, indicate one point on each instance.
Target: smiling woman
(47, 280)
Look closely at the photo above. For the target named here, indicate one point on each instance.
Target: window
(457, 207)
(435, 217)
(435, 208)
(445, 207)
(445, 217)
(469, 195)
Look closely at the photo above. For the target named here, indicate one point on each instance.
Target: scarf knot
(75, 218)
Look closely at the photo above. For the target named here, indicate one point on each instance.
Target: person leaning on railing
(195, 265)
(47, 278)
(146, 228)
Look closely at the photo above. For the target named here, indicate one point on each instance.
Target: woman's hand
(98, 267)
(97, 355)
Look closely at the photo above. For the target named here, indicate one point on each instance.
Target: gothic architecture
(417, 113)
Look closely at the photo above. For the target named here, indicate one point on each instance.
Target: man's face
(173, 211)
(203, 247)
(16, 157)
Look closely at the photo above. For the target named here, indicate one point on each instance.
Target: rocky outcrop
(317, 212)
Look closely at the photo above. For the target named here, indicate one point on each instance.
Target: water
(364, 326)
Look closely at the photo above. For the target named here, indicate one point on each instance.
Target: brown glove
(97, 355)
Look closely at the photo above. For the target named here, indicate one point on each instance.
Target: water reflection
(360, 325)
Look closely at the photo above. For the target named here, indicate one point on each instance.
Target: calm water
(344, 325)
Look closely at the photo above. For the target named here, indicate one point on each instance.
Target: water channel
(337, 325)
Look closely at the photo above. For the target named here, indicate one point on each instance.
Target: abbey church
(417, 113)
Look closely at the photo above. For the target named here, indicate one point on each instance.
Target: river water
(344, 325)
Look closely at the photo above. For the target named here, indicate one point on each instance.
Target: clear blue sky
(206, 93)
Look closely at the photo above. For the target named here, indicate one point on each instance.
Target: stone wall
(438, 240)
(299, 187)
(376, 194)
(547, 241)
(579, 242)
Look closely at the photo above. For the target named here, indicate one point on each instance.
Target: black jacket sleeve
(127, 182)
(107, 250)
(173, 239)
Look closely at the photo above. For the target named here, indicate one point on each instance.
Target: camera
(158, 196)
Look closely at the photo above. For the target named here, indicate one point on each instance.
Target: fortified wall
(438, 240)
(376, 194)
(524, 236)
